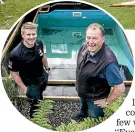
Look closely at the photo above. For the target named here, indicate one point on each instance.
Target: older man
(97, 71)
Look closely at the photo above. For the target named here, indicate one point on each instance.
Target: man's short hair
(28, 25)
(96, 26)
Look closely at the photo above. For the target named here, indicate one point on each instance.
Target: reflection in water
(76, 34)
(59, 48)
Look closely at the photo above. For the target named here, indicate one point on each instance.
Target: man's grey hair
(28, 25)
(96, 26)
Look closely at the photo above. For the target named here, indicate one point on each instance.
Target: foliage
(74, 126)
(90, 122)
(14, 9)
(125, 15)
(10, 89)
(112, 108)
(40, 115)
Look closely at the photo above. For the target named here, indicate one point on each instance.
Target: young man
(26, 65)
(97, 71)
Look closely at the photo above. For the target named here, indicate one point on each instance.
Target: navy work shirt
(111, 72)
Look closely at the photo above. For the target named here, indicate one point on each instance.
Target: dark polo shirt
(28, 62)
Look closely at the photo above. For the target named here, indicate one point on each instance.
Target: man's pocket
(33, 92)
(44, 82)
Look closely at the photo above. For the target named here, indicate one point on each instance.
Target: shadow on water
(47, 31)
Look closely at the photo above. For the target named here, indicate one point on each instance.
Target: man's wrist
(48, 69)
(106, 102)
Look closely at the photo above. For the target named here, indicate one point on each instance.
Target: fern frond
(74, 126)
(40, 115)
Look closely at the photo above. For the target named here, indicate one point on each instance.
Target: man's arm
(115, 80)
(45, 63)
(114, 95)
(18, 80)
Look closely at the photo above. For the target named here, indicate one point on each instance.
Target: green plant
(10, 88)
(125, 15)
(74, 126)
(45, 106)
(112, 108)
(40, 115)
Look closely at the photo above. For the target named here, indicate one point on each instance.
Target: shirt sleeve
(13, 63)
(113, 75)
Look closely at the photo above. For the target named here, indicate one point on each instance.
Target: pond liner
(34, 14)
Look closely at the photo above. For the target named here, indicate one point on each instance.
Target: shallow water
(63, 43)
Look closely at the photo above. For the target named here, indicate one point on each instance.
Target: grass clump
(10, 89)
(14, 9)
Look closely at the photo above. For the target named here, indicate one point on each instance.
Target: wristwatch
(106, 102)
(48, 69)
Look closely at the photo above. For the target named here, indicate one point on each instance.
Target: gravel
(22, 106)
(63, 111)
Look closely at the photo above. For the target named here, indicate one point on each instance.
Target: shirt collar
(95, 58)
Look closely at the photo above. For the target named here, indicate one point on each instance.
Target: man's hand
(25, 90)
(114, 95)
(102, 103)
(48, 70)
(18, 81)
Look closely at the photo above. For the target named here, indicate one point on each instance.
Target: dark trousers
(35, 94)
(90, 109)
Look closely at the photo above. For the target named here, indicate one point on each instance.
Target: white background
(12, 120)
